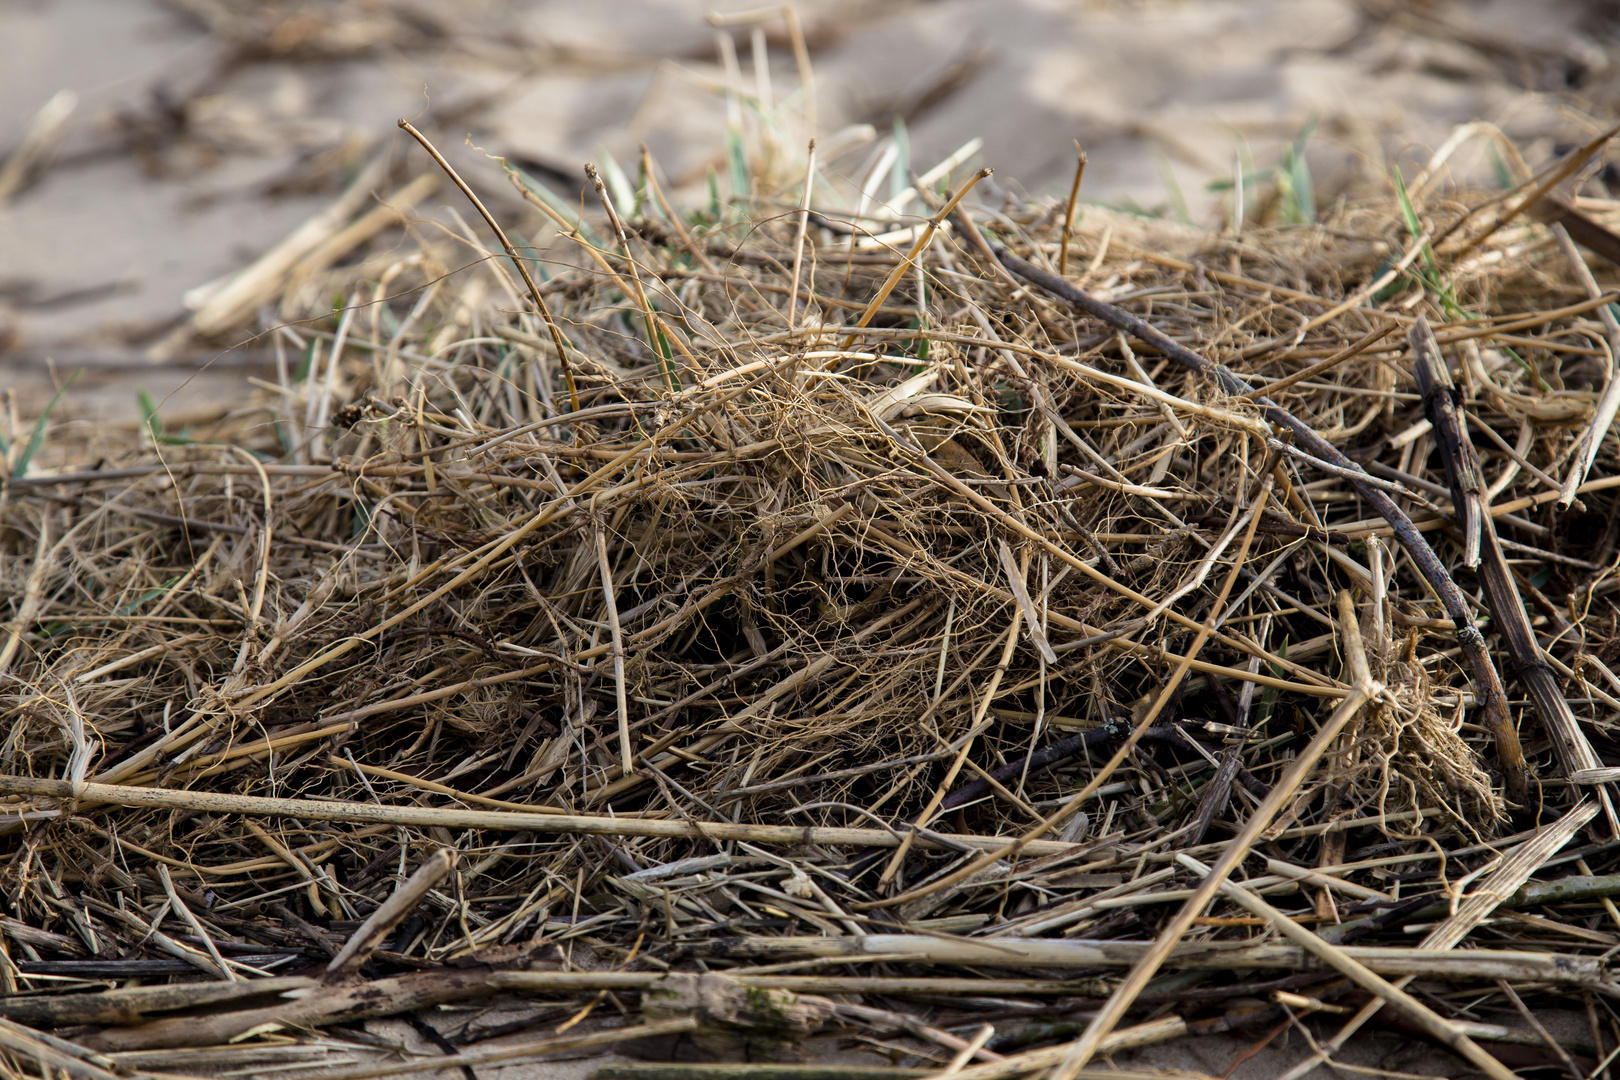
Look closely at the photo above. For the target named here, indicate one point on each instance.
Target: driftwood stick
(1468, 486)
(1463, 965)
(1487, 684)
(573, 982)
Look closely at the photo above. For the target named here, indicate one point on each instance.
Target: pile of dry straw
(881, 608)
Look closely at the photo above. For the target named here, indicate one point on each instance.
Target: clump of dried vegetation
(817, 613)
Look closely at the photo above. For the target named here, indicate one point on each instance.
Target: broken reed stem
(1608, 404)
(33, 594)
(1469, 500)
(511, 252)
(179, 906)
(505, 821)
(1364, 690)
(611, 605)
(266, 532)
(798, 240)
(380, 923)
(910, 258)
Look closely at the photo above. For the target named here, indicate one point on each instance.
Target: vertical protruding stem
(512, 253)
(1586, 450)
(916, 250)
(1380, 589)
(798, 244)
(1068, 212)
(1462, 460)
(625, 754)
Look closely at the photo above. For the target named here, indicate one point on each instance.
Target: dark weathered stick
(371, 934)
(1219, 790)
(1501, 594)
(1567, 890)
(1487, 684)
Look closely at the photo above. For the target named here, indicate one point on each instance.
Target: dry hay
(829, 569)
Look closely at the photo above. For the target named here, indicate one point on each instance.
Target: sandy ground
(203, 131)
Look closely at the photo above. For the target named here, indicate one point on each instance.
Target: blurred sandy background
(153, 146)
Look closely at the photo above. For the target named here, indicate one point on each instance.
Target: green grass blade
(1304, 190)
(1299, 193)
(1504, 175)
(1178, 200)
(145, 598)
(742, 183)
(149, 414)
(19, 468)
(1414, 227)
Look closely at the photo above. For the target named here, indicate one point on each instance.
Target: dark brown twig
(1501, 594)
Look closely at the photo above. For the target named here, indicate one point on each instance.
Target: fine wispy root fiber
(998, 643)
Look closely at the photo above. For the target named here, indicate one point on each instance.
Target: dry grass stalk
(831, 590)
